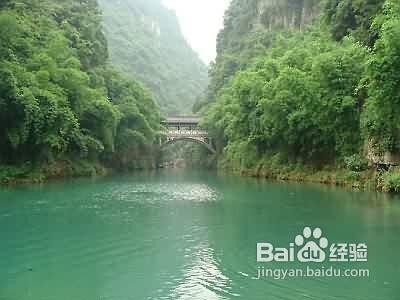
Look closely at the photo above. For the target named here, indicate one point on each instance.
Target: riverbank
(369, 179)
(62, 169)
(65, 169)
(385, 180)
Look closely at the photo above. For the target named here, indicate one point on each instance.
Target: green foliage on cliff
(146, 43)
(315, 96)
(352, 17)
(250, 29)
(381, 116)
(301, 102)
(59, 100)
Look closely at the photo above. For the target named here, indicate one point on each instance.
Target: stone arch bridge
(185, 129)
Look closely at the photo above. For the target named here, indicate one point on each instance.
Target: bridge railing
(188, 133)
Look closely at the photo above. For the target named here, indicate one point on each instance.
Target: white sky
(201, 20)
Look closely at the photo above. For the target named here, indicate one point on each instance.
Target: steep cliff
(286, 13)
(250, 16)
(250, 28)
(146, 42)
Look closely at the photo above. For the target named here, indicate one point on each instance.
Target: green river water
(188, 235)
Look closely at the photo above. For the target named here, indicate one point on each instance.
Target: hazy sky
(201, 20)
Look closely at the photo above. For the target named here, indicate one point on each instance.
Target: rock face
(145, 41)
(248, 16)
(276, 14)
(385, 158)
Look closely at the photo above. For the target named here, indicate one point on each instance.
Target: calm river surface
(187, 235)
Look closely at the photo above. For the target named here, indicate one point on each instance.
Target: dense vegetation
(146, 43)
(289, 100)
(63, 109)
(249, 29)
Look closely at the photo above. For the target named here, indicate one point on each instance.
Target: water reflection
(202, 278)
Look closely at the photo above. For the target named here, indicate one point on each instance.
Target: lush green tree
(380, 118)
(300, 99)
(59, 99)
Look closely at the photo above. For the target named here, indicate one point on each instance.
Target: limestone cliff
(248, 16)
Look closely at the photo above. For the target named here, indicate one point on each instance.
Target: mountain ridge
(146, 42)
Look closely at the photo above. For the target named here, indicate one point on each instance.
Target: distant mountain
(146, 42)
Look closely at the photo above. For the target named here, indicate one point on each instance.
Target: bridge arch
(198, 141)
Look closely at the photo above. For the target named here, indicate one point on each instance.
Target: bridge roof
(182, 121)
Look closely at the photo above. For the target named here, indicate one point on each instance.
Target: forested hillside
(146, 43)
(297, 95)
(63, 109)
